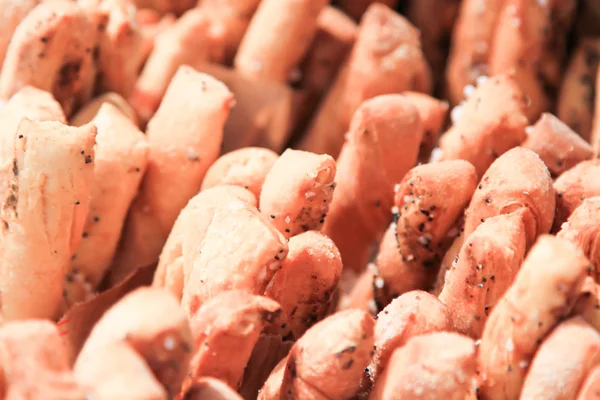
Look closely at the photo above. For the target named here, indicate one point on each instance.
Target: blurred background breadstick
(89, 110)
(185, 138)
(277, 38)
(176, 7)
(386, 58)
(13, 13)
(356, 8)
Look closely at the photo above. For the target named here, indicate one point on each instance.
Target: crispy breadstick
(176, 259)
(247, 167)
(297, 191)
(271, 390)
(210, 389)
(119, 53)
(569, 353)
(490, 258)
(449, 258)
(433, 116)
(277, 38)
(225, 330)
(434, 366)
(35, 364)
(412, 314)
(192, 40)
(241, 250)
(428, 203)
(328, 361)
(117, 371)
(381, 146)
(359, 293)
(581, 229)
(121, 157)
(471, 45)
(519, 179)
(52, 49)
(543, 293)
(577, 92)
(519, 42)
(13, 13)
(356, 8)
(590, 389)
(176, 7)
(87, 113)
(557, 145)
(43, 211)
(234, 16)
(305, 284)
(386, 58)
(164, 343)
(185, 137)
(573, 187)
(488, 124)
(588, 303)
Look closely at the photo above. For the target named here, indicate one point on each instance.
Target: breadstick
(305, 284)
(277, 38)
(35, 363)
(381, 146)
(428, 203)
(488, 124)
(412, 314)
(557, 145)
(471, 45)
(433, 116)
(247, 167)
(152, 24)
(590, 389)
(176, 7)
(330, 368)
(52, 49)
(449, 258)
(386, 58)
(297, 191)
(588, 304)
(517, 180)
(13, 12)
(234, 16)
(573, 187)
(211, 389)
(50, 178)
(119, 54)
(434, 366)
(356, 8)
(518, 45)
(576, 98)
(490, 258)
(543, 293)
(185, 137)
(165, 343)
(121, 157)
(569, 353)
(225, 330)
(87, 113)
(191, 40)
(176, 259)
(357, 292)
(241, 250)
(271, 389)
(117, 371)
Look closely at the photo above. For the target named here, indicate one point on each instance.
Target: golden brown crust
(433, 366)
(52, 49)
(305, 283)
(557, 145)
(381, 146)
(386, 58)
(489, 123)
(297, 191)
(542, 294)
(429, 201)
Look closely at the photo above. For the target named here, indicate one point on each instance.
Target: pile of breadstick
(299, 199)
